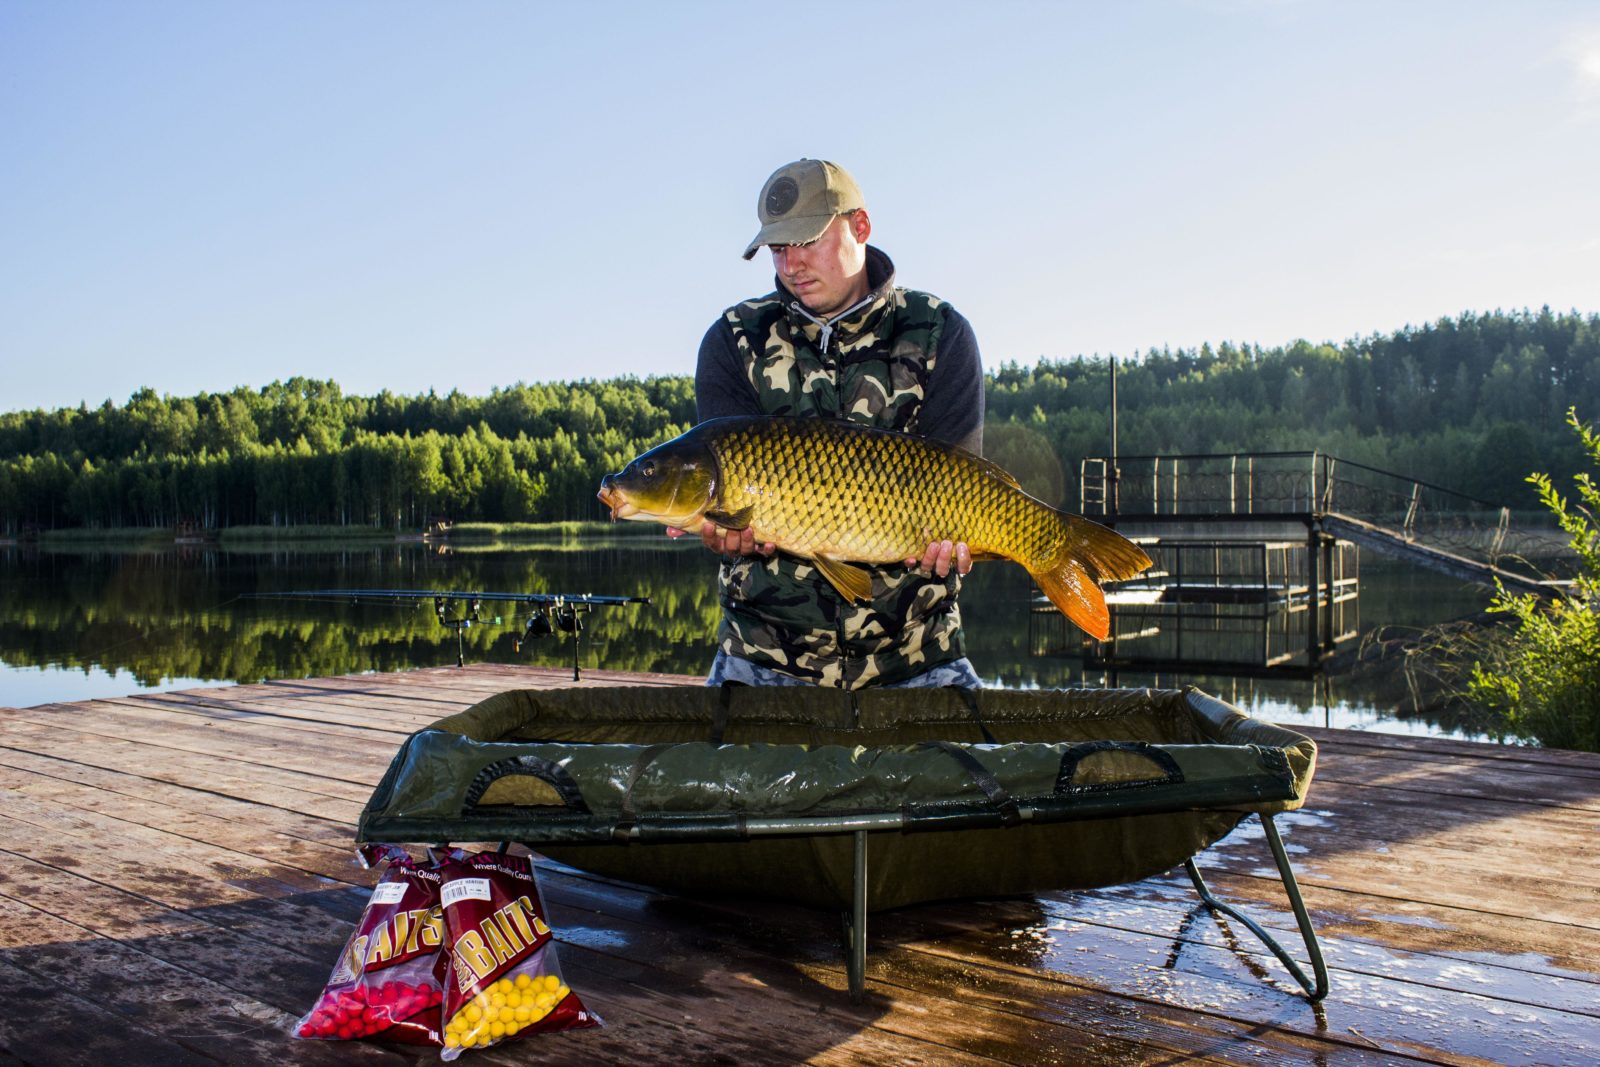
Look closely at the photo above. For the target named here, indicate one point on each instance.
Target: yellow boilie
(503, 1009)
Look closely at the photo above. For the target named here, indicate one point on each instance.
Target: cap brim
(796, 231)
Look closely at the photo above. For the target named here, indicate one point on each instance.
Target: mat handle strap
(1010, 815)
(1075, 755)
(531, 766)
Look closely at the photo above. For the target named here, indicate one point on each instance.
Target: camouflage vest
(871, 366)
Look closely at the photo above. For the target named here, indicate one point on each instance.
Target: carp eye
(648, 470)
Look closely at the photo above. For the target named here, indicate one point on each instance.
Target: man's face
(830, 273)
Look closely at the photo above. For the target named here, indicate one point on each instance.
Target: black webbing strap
(722, 712)
(986, 781)
(627, 816)
(969, 697)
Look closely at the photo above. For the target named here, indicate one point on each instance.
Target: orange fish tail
(1085, 556)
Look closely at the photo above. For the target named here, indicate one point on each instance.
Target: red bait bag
(384, 985)
(502, 979)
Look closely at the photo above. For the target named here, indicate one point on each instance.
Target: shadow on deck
(178, 882)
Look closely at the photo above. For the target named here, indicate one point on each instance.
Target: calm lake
(94, 621)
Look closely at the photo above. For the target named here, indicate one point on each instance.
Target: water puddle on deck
(1154, 939)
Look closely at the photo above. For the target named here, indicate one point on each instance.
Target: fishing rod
(548, 614)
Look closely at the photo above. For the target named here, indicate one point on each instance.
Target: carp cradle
(775, 792)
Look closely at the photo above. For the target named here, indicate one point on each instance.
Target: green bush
(1542, 680)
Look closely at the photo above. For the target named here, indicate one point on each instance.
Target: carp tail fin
(1087, 555)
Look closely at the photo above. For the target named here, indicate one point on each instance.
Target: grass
(558, 532)
(120, 534)
(306, 533)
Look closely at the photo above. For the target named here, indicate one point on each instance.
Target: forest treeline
(1473, 403)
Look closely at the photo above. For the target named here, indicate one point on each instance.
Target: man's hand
(730, 542)
(939, 557)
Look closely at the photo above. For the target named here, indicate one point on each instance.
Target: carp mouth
(616, 500)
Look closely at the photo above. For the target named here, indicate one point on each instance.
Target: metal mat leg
(856, 922)
(1315, 991)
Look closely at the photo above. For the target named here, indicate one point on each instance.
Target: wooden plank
(983, 984)
(292, 744)
(113, 791)
(975, 937)
(163, 866)
(196, 1014)
(321, 716)
(288, 855)
(1166, 905)
(189, 826)
(127, 828)
(215, 950)
(333, 713)
(55, 1028)
(244, 782)
(473, 683)
(252, 780)
(437, 700)
(1549, 789)
(181, 933)
(226, 959)
(1384, 855)
(283, 761)
(1430, 749)
(327, 849)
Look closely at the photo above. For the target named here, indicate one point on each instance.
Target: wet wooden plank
(114, 791)
(193, 830)
(53, 1027)
(336, 714)
(254, 784)
(764, 941)
(201, 750)
(334, 862)
(1095, 947)
(1429, 749)
(1551, 788)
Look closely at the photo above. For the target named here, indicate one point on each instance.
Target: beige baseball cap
(799, 201)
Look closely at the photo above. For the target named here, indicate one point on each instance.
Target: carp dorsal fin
(988, 466)
(732, 520)
(853, 583)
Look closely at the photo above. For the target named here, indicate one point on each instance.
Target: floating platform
(177, 882)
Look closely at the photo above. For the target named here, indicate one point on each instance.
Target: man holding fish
(836, 338)
(836, 467)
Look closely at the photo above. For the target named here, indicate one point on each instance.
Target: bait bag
(502, 979)
(384, 985)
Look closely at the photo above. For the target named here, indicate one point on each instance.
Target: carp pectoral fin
(732, 520)
(853, 583)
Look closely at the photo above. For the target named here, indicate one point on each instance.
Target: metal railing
(1304, 485)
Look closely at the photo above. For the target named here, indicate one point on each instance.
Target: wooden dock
(176, 880)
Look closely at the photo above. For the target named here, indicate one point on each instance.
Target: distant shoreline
(466, 532)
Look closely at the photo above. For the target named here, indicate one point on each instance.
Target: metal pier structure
(1268, 495)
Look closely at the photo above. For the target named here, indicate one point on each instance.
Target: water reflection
(160, 615)
(82, 622)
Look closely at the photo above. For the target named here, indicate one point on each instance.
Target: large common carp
(833, 491)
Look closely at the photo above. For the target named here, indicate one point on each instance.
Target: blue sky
(199, 195)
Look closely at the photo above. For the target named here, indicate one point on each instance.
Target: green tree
(1543, 680)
